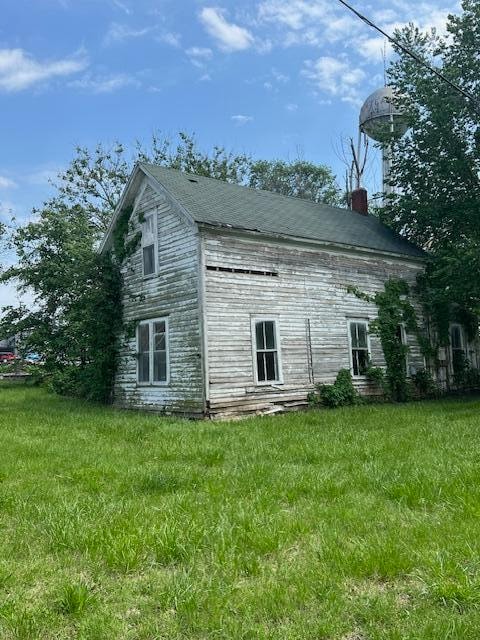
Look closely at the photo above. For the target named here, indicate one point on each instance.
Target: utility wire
(413, 55)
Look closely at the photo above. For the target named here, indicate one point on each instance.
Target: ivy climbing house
(237, 300)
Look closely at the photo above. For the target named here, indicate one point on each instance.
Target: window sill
(270, 383)
(149, 276)
(148, 385)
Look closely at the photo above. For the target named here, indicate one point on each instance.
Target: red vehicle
(8, 356)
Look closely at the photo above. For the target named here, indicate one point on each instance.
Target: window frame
(151, 382)
(146, 216)
(276, 333)
(404, 342)
(464, 343)
(351, 321)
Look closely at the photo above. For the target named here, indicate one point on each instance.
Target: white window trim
(150, 322)
(350, 347)
(266, 383)
(154, 216)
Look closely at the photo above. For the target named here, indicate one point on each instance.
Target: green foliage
(77, 315)
(424, 383)
(74, 598)
(376, 375)
(394, 310)
(472, 378)
(436, 165)
(300, 179)
(339, 394)
(123, 248)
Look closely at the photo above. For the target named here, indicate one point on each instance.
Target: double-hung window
(457, 346)
(359, 350)
(152, 345)
(266, 353)
(149, 245)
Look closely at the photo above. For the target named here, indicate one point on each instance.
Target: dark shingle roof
(216, 202)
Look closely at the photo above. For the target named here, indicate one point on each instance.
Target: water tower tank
(379, 116)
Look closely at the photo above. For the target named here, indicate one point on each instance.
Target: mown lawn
(355, 524)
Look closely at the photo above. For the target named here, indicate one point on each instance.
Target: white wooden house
(238, 296)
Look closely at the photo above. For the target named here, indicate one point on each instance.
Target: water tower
(379, 119)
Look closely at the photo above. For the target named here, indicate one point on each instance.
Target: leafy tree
(75, 290)
(300, 179)
(95, 179)
(436, 166)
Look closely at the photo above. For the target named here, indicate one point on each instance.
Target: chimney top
(360, 201)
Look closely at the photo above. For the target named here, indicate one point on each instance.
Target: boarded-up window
(152, 339)
(149, 243)
(359, 347)
(266, 351)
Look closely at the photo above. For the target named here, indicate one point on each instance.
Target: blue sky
(273, 78)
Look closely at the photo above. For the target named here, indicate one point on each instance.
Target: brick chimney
(360, 201)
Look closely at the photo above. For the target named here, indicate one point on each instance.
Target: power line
(413, 55)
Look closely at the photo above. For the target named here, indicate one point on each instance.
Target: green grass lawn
(353, 524)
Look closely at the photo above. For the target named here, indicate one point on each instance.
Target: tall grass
(353, 524)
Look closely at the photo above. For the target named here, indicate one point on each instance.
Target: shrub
(376, 375)
(424, 383)
(339, 394)
(472, 378)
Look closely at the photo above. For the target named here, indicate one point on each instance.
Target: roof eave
(212, 226)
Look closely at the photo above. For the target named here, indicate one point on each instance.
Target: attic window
(252, 272)
(192, 180)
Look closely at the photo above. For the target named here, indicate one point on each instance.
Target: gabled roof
(217, 203)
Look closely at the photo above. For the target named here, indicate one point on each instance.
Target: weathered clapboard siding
(172, 292)
(310, 287)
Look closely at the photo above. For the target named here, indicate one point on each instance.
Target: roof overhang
(253, 234)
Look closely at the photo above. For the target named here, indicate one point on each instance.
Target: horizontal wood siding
(310, 287)
(172, 292)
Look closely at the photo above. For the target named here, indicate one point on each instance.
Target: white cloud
(310, 22)
(425, 15)
(291, 106)
(199, 56)
(7, 183)
(240, 120)
(199, 52)
(122, 6)
(229, 36)
(104, 84)
(120, 32)
(336, 77)
(172, 39)
(280, 77)
(19, 70)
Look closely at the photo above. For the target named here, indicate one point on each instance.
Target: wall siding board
(172, 292)
(310, 286)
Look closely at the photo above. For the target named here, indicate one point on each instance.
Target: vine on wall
(394, 310)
